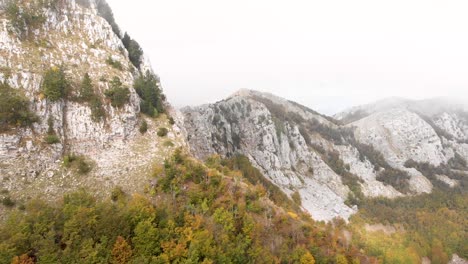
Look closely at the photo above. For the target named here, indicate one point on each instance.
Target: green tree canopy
(152, 98)
(55, 84)
(118, 94)
(14, 108)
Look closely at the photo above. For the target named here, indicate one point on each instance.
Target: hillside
(74, 93)
(394, 165)
(325, 161)
(194, 214)
(97, 167)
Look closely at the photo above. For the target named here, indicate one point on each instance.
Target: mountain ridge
(95, 128)
(235, 118)
(87, 112)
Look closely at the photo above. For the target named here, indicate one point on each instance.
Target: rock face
(301, 150)
(457, 260)
(428, 131)
(79, 40)
(401, 135)
(244, 125)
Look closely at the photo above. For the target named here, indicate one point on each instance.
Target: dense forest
(429, 225)
(194, 213)
(225, 211)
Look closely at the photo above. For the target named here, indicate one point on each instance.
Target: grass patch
(168, 143)
(8, 202)
(114, 63)
(51, 139)
(162, 132)
(77, 163)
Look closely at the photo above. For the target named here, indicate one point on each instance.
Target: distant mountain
(331, 162)
(95, 165)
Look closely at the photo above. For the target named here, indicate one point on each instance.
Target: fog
(328, 55)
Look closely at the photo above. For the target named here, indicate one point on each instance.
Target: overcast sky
(326, 54)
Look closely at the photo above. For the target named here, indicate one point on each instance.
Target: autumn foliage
(194, 214)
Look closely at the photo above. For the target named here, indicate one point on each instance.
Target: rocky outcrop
(401, 135)
(246, 124)
(300, 150)
(79, 40)
(457, 260)
(428, 131)
(243, 125)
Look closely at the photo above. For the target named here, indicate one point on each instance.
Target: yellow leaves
(23, 259)
(235, 174)
(307, 258)
(293, 215)
(212, 173)
(260, 190)
(207, 261)
(141, 208)
(340, 259)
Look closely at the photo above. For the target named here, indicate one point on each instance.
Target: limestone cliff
(328, 163)
(75, 37)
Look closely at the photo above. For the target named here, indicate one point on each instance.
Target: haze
(328, 55)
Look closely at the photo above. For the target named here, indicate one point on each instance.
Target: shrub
(51, 139)
(87, 94)
(8, 202)
(76, 162)
(450, 170)
(24, 19)
(457, 162)
(55, 84)
(162, 131)
(114, 63)
(143, 127)
(333, 160)
(151, 96)
(396, 178)
(83, 166)
(118, 94)
(254, 176)
(171, 121)
(370, 153)
(296, 197)
(117, 194)
(97, 111)
(14, 108)
(86, 88)
(134, 50)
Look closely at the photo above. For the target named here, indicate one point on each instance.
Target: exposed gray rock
(244, 125)
(272, 132)
(81, 41)
(457, 260)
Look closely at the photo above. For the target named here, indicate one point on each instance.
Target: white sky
(326, 54)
